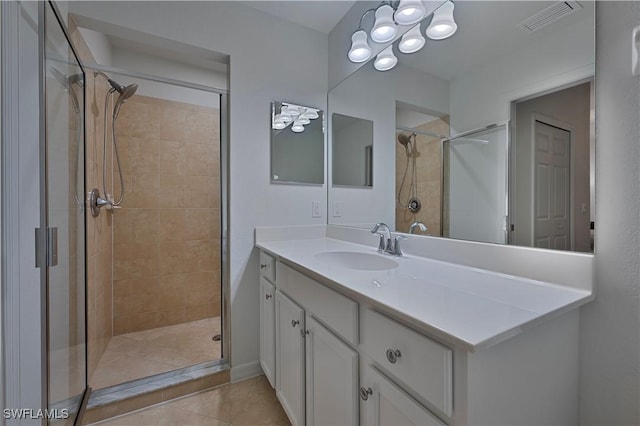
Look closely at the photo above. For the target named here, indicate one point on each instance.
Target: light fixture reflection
(412, 41)
(297, 127)
(442, 24)
(384, 29)
(385, 60)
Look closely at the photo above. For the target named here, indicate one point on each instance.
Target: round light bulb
(412, 41)
(385, 60)
(360, 50)
(442, 24)
(410, 12)
(384, 29)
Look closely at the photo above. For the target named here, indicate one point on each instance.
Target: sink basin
(357, 261)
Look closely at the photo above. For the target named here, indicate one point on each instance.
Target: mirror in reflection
(492, 139)
(352, 147)
(297, 144)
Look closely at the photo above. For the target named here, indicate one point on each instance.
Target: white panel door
(268, 330)
(332, 378)
(385, 404)
(552, 204)
(290, 358)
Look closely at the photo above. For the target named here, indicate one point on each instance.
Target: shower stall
(157, 197)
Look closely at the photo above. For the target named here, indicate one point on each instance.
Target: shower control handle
(393, 355)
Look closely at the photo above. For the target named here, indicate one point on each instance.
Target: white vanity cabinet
(384, 403)
(267, 317)
(316, 370)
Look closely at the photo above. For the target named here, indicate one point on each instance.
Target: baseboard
(245, 371)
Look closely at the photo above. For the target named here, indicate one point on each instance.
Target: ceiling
(320, 15)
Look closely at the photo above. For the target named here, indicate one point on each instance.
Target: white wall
(482, 96)
(372, 95)
(270, 59)
(610, 326)
(98, 44)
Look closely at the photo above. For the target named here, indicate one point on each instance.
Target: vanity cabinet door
(332, 378)
(290, 358)
(268, 330)
(383, 404)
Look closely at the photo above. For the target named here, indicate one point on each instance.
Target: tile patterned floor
(145, 353)
(250, 402)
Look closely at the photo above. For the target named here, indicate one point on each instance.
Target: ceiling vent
(549, 15)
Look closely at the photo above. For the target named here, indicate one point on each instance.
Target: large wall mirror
(485, 136)
(297, 144)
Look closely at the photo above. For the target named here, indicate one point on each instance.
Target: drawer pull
(365, 392)
(263, 266)
(268, 296)
(294, 323)
(393, 355)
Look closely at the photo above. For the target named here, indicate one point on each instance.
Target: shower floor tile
(144, 353)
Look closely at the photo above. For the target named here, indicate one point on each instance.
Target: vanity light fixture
(410, 12)
(385, 60)
(442, 24)
(411, 41)
(388, 16)
(360, 50)
(283, 114)
(384, 29)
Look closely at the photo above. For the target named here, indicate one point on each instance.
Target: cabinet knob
(393, 355)
(294, 323)
(263, 266)
(304, 333)
(268, 296)
(365, 392)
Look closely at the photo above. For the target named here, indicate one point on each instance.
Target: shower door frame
(225, 287)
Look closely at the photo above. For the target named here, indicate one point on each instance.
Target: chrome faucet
(420, 225)
(387, 244)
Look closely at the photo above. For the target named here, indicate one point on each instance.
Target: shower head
(404, 139)
(125, 93)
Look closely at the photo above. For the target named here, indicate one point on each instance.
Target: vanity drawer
(337, 311)
(420, 363)
(268, 266)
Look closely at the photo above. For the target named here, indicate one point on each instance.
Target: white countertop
(468, 307)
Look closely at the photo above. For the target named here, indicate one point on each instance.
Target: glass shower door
(64, 218)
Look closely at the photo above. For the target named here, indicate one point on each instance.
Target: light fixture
(283, 114)
(385, 60)
(388, 16)
(442, 24)
(412, 41)
(297, 127)
(384, 29)
(360, 50)
(410, 12)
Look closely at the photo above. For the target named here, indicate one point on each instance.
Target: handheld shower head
(125, 93)
(404, 139)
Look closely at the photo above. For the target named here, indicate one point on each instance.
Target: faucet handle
(381, 244)
(396, 244)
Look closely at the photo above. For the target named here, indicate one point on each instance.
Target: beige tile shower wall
(429, 179)
(99, 230)
(167, 233)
